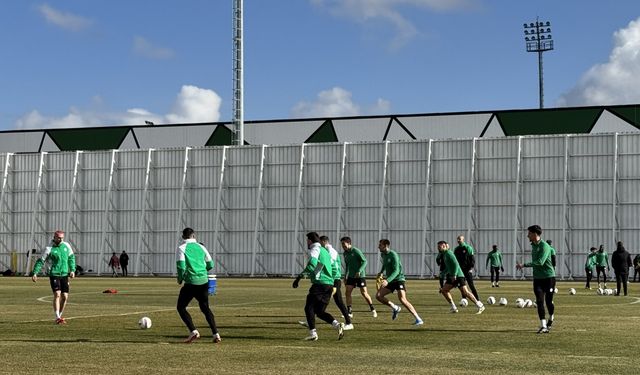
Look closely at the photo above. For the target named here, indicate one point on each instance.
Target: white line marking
(41, 299)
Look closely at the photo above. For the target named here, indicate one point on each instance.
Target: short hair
(495, 246)
(313, 236)
(385, 242)
(442, 243)
(187, 233)
(324, 238)
(593, 248)
(345, 239)
(549, 242)
(535, 229)
(58, 233)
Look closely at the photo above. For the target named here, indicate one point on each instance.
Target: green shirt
(591, 261)
(602, 258)
(61, 257)
(193, 261)
(355, 262)
(494, 258)
(319, 267)
(451, 265)
(336, 265)
(636, 261)
(541, 261)
(391, 266)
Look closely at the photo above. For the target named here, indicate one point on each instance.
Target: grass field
(258, 319)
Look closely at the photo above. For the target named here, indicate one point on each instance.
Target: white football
(144, 323)
(519, 303)
(600, 291)
(518, 300)
(572, 291)
(609, 291)
(528, 303)
(491, 300)
(464, 302)
(615, 291)
(503, 301)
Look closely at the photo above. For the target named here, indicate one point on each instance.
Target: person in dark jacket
(636, 267)
(621, 261)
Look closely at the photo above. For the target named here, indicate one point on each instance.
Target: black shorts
(360, 282)
(457, 282)
(320, 294)
(396, 285)
(547, 285)
(601, 268)
(60, 283)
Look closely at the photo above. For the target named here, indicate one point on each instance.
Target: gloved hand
(501, 269)
(296, 282)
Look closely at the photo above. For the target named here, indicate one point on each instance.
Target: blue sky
(102, 62)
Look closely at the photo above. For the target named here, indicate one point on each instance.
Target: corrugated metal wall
(252, 205)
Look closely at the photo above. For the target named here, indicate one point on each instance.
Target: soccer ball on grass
(144, 323)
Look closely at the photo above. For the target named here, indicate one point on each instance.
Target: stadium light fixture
(539, 40)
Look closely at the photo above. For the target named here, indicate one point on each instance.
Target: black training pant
(337, 298)
(317, 301)
(201, 294)
(622, 278)
(468, 275)
(496, 271)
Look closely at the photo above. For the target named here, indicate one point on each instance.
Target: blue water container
(213, 284)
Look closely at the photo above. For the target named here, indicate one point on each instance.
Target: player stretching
(544, 276)
(63, 267)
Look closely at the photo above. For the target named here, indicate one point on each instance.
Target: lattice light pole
(238, 75)
(538, 39)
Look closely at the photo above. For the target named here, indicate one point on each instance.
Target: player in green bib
(602, 266)
(394, 280)
(63, 266)
(355, 264)
(319, 270)
(193, 262)
(544, 276)
(494, 261)
(454, 277)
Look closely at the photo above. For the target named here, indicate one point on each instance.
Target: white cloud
(144, 48)
(192, 105)
(615, 82)
(336, 102)
(195, 105)
(62, 19)
(388, 11)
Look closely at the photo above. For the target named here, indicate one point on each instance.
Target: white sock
(312, 332)
(335, 324)
(58, 314)
(393, 306)
(453, 305)
(479, 304)
(551, 318)
(543, 323)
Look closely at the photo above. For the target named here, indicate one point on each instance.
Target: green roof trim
(324, 133)
(88, 139)
(221, 136)
(630, 114)
(557, 121)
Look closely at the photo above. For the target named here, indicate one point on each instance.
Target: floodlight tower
(538, 39)
(238, 78)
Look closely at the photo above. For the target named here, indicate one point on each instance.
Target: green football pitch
(258, 322)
